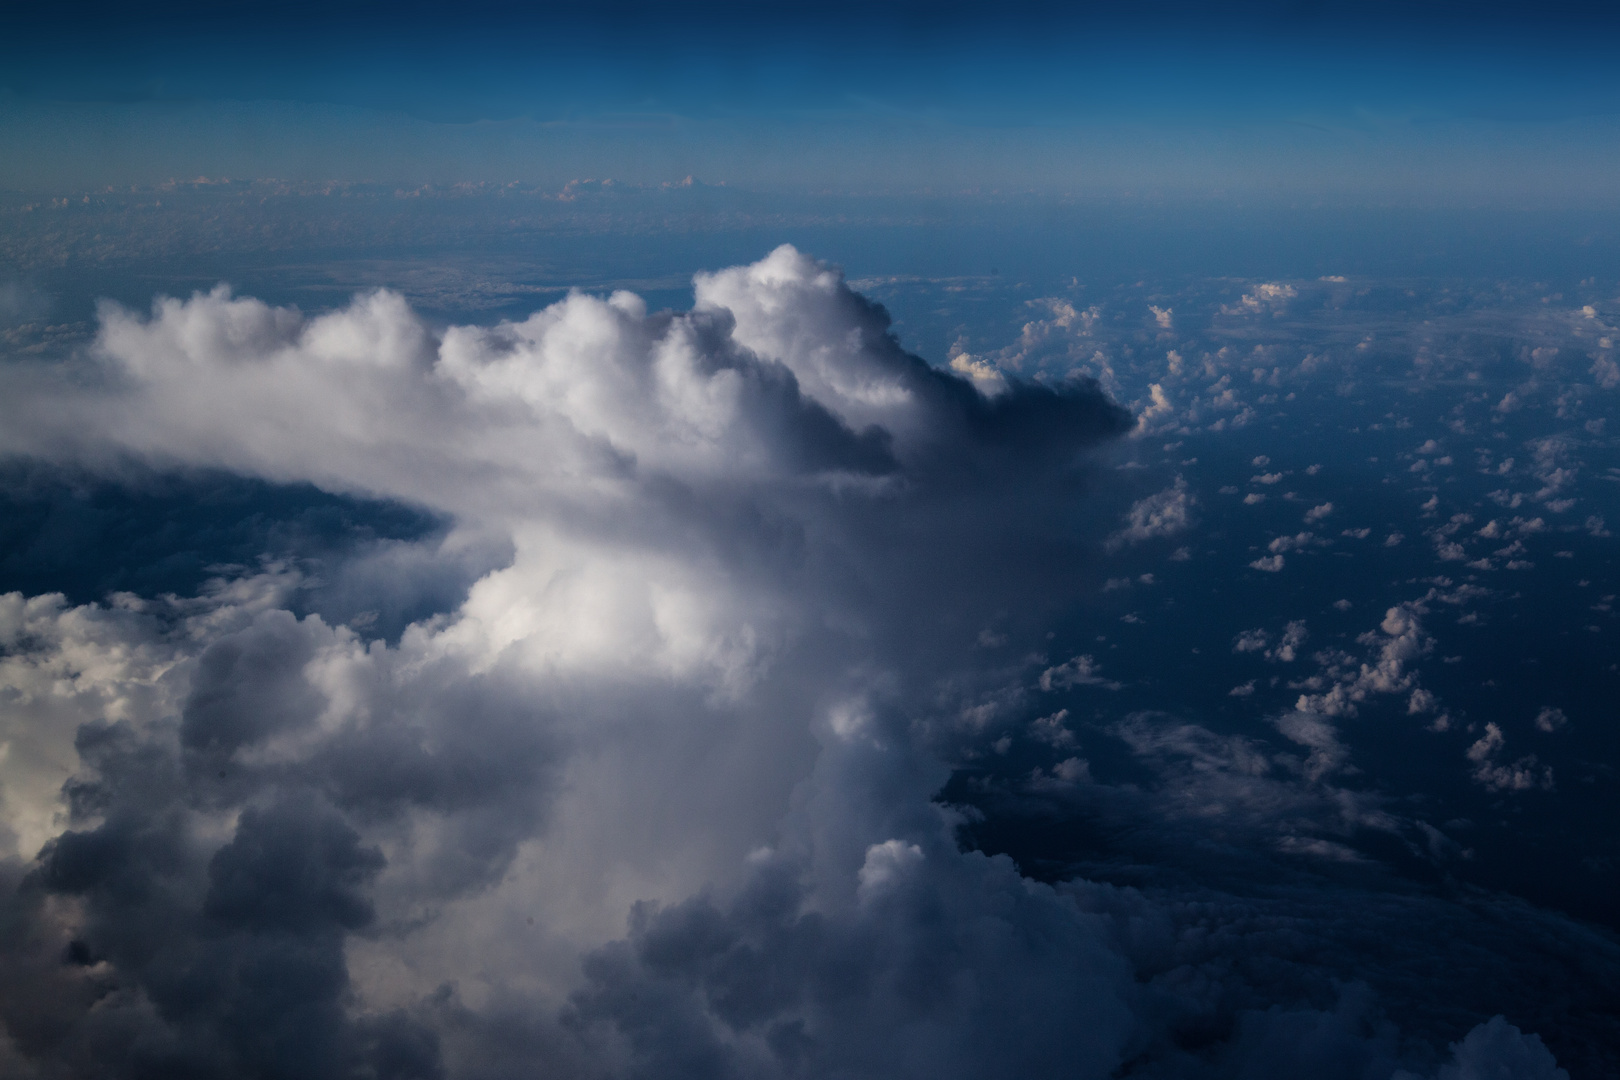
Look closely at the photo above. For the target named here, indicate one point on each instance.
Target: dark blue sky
(1373, 103)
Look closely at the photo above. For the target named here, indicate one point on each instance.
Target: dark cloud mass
(732, 693)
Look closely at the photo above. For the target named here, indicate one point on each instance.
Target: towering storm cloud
(658, 795)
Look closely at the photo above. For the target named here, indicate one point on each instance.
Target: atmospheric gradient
(838, 543)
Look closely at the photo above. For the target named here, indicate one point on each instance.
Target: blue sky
(1387, 102)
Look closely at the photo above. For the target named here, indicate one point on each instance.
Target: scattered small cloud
(1163, 514)
(1079, 671)
(1550, 719)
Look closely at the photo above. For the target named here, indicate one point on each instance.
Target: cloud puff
(1081, 671)
(1287, 648)
(1251, 641)
(1163, 514)
(1267, 296)
(1550, 719)
(1293, 638)
(1521, 775)
(1343, 685)
(1297, 542)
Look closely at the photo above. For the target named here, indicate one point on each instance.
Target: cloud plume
(655, 796)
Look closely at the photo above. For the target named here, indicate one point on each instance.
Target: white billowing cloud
(61, 668)
(1163, 514)
(1158, 411)
(780, 370)
(697, 676)
(984, 375)
(655, 798)
(790, 310)
(487, 423)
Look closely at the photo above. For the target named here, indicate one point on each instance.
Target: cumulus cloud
(1520, 775)
(1158, 411)
(1251, 641)
(1343, 684)
(714, 520)
(1297, 542)
(1550, 719)
(1081, 671)
(1164, 514)
(1497, 1048)
(1293, 639)
(1269, 296)
(654, 796)
(1288, 645)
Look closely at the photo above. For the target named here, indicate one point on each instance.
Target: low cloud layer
(655, 797)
